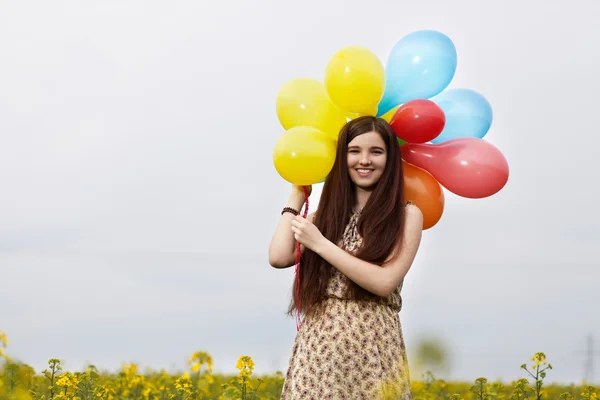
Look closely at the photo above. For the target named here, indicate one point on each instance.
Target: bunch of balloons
(440, 131)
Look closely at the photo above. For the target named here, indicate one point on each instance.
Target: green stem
(52, 384)
(256, 390)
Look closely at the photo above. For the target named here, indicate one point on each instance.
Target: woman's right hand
(298, 192)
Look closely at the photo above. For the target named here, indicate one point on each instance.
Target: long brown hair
(380, 224)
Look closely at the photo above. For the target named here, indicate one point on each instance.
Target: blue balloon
(420, 65)
(468, 114)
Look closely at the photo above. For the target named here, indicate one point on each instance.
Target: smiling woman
(366, 159)
(356, 250)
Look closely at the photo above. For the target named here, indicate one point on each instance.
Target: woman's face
(367, 156)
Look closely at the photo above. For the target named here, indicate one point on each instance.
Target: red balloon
(468, 166)
(418, 121)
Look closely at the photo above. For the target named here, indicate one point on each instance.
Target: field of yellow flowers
(18, 381)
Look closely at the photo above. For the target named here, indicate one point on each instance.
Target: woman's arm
(379, 280)
(282, 250)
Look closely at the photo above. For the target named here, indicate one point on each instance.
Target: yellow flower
(198, 359)
(246, 366)
(3, 344)
(21, 394)
(68, 380)
(137, 380)
(539, 359)
(130, 369)
(3, 339)
(146, 392)
(183, 383)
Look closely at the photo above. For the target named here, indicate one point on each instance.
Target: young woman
(356, 250)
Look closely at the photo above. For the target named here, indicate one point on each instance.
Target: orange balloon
(425, 192)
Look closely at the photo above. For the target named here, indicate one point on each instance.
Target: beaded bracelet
(291, 210)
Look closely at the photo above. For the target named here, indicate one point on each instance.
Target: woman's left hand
(307, 234)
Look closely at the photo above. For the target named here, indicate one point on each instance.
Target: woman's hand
(307, 234)
(298, 191)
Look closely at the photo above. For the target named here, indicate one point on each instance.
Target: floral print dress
(349, 349)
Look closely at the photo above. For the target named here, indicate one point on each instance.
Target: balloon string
(298, 258)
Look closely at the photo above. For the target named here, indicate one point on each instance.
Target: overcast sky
(138, 194)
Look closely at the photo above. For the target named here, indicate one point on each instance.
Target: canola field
(19, 381)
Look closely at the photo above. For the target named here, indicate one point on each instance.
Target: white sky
(138, 195)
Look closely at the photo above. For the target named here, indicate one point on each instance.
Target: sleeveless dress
(349, 349)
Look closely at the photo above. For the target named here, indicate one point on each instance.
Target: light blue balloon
(468, 114)
(420, 65)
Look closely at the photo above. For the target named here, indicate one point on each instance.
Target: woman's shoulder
(413, 213)
(411, 207)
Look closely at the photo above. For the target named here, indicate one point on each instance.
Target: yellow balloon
(304, 102)
(303, 155)
(355, 79)
(388, 115)
(351, 115)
